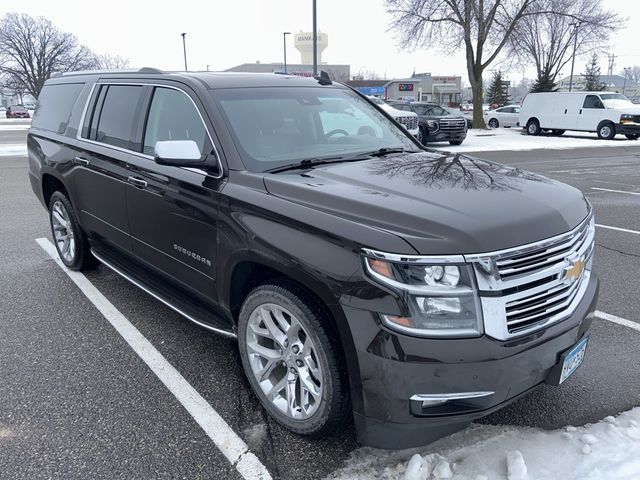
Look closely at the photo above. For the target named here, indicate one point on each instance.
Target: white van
(606, 113)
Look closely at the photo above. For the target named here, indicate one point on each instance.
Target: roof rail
(99, 72)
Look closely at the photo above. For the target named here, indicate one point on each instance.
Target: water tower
(303, 42)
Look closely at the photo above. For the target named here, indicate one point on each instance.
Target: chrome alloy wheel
(284, 361)
(63, 231)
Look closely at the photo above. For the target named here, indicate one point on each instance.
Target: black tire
(334, 404)
(493, 123)
(606, 131)
(80, 258)
(558, 132)
(423, 135)
(533, 127)
(455, 142)
(633, 136)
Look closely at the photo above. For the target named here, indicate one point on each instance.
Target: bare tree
(633, 73)
(483, 27)
(112, 62)
(32, 49)
(17, 87)
(546, 36)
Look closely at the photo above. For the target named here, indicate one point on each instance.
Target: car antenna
(323, 78)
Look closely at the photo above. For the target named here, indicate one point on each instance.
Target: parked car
(507, 116)
(436, 124)
(408, 120)
(606, 113)
(363, 277)
(17, 111)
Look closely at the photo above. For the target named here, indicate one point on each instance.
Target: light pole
(315, 40)
(624, 85)
(284, 43)
(209, 65)
(575, 26)
(184, 49)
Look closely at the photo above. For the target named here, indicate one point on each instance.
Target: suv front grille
(453, 124)
(409, 122)
(529, 288)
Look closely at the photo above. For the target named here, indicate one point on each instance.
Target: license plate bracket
(569, 362)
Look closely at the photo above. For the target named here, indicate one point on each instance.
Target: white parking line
(227, 441)
(615, 191)
(626, 230)
(619, 320)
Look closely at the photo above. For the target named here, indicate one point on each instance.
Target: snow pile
(18, 149)
(515, 139)
(608, 450)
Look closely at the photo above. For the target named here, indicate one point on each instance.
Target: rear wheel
(455, 142)
(633, 136)
(606, 131)
(493, 123)
(558, 132)
(69, 239)
(533, 127)
(293, 360)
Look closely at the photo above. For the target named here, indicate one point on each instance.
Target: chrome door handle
(80, 161)
(137, 182)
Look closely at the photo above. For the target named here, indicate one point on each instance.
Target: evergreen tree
(591, 76)
(497, 93)
(544, 82)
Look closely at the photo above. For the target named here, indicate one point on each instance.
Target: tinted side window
(118, 116)
(54, 106)
(592, 101)
(173, 116)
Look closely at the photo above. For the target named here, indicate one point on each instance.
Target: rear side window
(55, 104)
(173, 116)
(118, 116)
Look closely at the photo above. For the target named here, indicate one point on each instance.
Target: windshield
(615, 100)
(376, 100)
(276, 126)
(18, 108)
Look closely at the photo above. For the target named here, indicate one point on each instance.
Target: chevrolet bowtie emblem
(574, 271)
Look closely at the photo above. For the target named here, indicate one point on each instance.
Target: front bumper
(394, 367)
(446, 135)
(628, 129)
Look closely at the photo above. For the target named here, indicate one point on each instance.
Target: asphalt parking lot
(76, 401)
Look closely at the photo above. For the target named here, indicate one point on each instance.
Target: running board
(173, 297)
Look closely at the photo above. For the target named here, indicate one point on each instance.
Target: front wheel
(70, 241)
(633, 136)
(606, 131)
(293, 360)
(493, 123)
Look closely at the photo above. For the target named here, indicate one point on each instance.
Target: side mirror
(179, 153)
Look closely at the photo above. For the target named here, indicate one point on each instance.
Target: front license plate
(573, 359)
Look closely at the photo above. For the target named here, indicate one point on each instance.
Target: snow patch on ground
(608, 450)
(18, 149)
(515, 139)
(12, 127)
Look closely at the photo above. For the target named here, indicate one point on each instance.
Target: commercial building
(613, 83)
(445, 90)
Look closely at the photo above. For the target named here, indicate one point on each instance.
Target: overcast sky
(226, 33)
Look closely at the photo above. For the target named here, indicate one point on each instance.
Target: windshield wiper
(312, 162)
(307, 162)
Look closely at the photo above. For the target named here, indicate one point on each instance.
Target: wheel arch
(50, 184)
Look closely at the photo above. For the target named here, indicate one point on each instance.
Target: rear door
(104, 150)
(173, 211)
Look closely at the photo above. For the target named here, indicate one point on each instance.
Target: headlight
(626, 118)
(441, 296)
(432, 124)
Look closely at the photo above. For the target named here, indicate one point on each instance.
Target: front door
(590, 114)
(172, 210)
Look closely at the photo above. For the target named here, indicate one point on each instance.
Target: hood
(440, 203)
